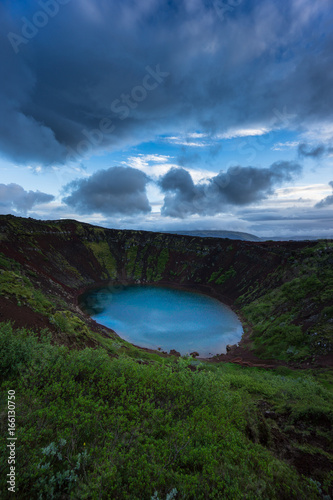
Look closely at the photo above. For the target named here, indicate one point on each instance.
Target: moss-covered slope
(283, 290)
(99, 418)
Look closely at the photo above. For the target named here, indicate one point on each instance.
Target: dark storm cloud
(325, 202)
(14, 199)
(91, 75)
(238, 186)
(318, 151)
(116, 191)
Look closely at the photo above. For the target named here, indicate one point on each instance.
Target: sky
(169, 115)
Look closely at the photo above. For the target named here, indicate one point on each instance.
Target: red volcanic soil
(23, 316)
(58, 258)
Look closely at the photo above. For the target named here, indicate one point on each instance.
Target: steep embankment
(115, 421)
(281, 289)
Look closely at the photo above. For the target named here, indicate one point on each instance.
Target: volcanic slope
(282, 290)
(99, 418)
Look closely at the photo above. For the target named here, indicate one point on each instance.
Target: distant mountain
(232, 235)
(295, 238)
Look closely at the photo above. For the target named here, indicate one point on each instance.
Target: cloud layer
(326, 202)
(238, 186)
(116, 191)
(13, 198)
(316, 152)
(89, 75)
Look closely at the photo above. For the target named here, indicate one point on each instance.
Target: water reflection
(156, 317)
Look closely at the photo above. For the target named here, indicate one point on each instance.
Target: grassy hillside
(283, 290)
(99, 418)
(90, 425)
(295, 320)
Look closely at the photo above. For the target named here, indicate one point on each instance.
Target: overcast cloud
(90, 75)
(14, 199)
(238, 186)
(116, 191)
(174, 91)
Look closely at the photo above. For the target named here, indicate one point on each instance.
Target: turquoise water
(155, 317)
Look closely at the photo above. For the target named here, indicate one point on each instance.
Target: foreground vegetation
(94, 423)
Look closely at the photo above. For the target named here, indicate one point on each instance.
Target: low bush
(93, 427)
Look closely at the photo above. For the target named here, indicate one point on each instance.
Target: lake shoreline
(219, 327)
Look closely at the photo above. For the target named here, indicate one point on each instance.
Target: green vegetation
(17, 285)
(137, 260)
(162, 260)
(276, 316)
(102, 252)
(100, 418)
(183, 268)
(150, 268)
(79, 229)
(70, 327)
(214, 276)
(156, 265)
(65, 266)
(91, 426)
(7, 263)
(219, 277)
(131, 257)
(138, 270)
